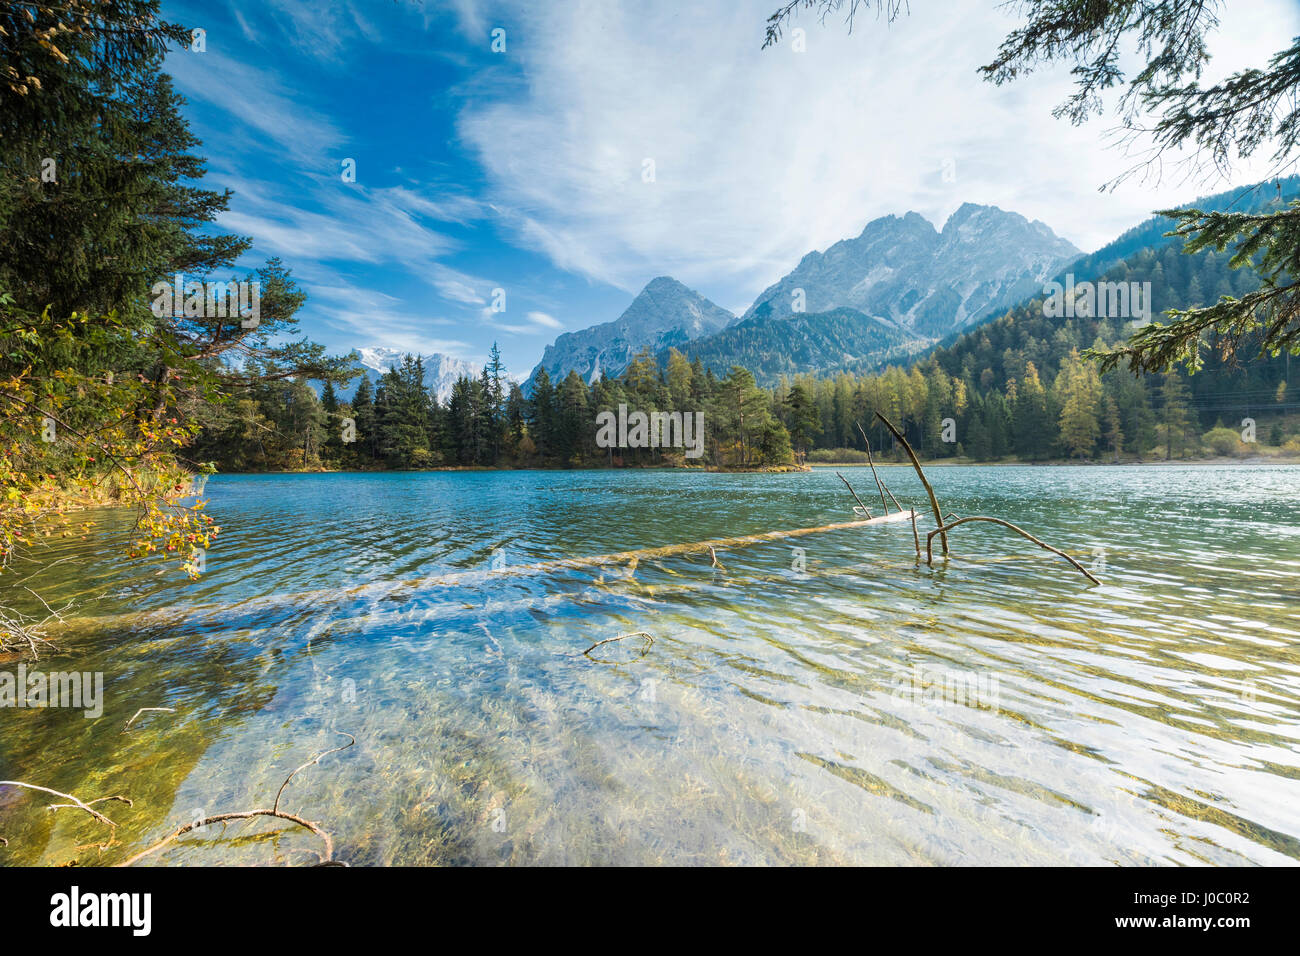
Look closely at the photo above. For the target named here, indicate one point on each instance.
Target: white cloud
(761, 156)
(457, 290)
(327, 229)
(537, 322)
(470, 19)
(545, 321)
(245, 27)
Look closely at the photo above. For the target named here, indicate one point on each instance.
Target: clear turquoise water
(993, 709)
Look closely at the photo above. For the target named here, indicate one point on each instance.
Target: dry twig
(645, 648)
(78, 804)
(865, 512)
(18, 631)
(314, 760)
(934, 502)
(226, 817)
(143, 710)
(880, 484)
(274, 811)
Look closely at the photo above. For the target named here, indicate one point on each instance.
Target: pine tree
(516, 414)
(997, 423)
(977, 443)
(680, 381)
(572, 425)
(802, 418)
(774, 443)
(363, 412)
(541, 423)
(461, 431)
(643, 381)
(106, 115)
(494, 402)
(1080, 393)
(1033, 424)
(1175, 416)
(329, 403)
(701, 385)
(744, 416)
(1114, 436)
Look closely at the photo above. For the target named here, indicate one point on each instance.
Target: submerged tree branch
(865, 512)
(226, 817)
(880, 485)
(314, 760)
(274, 811)
(145, 710)
(929, 541)
(78, 804)
(645, 648)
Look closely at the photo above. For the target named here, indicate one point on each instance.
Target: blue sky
(525, 170)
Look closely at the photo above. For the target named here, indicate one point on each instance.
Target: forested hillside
(1020, 385)
(1151, 233)
(772, 346)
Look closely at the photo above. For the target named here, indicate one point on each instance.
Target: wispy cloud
(340, 223)
(369, 317)
(254, 100)
(536, 323)
(323, 30)
(545, 321)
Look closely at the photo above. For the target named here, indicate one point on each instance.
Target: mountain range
(896, 288)
(931, 282)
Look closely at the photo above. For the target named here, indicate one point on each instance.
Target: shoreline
(1058, 463)
(792, 469)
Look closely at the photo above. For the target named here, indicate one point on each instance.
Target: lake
(833, 705)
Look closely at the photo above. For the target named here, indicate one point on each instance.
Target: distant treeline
(1018, 387)
(489, 422)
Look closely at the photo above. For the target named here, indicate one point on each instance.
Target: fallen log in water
(668, 550)
(388, 589)
(630, 559)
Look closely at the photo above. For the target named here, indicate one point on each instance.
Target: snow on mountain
(440, 371)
